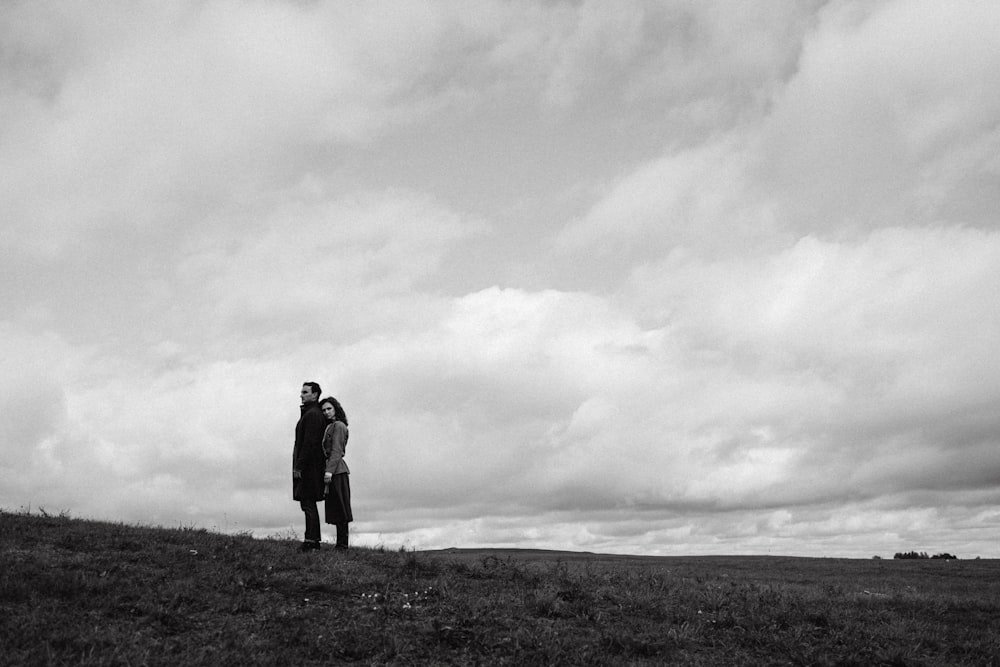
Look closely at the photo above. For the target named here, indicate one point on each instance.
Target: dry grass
(90, 593)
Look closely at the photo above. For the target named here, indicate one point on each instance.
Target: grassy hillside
(88, 593)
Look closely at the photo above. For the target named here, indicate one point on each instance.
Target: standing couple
(318, 468)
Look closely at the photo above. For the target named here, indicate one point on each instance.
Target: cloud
(875, 348)
(872, 129)
(688, 278)
(696, 197)
(31, 397)
(824, 373)
(150, 116)
(474, 401)
(337, 267)
(887, 99)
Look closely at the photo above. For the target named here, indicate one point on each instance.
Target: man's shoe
(309, 546)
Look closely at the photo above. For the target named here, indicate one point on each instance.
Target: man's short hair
(314, 388)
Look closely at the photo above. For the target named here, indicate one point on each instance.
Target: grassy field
(88, 593)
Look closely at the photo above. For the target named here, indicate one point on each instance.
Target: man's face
(307, 395)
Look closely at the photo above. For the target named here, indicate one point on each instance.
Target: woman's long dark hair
(338, 410)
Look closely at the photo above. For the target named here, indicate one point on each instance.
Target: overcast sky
(667, 278)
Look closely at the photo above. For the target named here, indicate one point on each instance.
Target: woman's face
(329, 411)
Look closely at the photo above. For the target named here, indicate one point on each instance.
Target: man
(309, 462)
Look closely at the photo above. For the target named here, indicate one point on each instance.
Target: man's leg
(312, 521)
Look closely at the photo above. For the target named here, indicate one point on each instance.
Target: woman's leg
(342, 535)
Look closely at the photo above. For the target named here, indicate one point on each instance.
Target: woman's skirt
(338, 500)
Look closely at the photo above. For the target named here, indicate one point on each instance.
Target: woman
(337, 477)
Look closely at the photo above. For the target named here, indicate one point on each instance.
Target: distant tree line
(923, 554)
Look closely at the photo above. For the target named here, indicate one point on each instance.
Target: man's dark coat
(308, 456)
